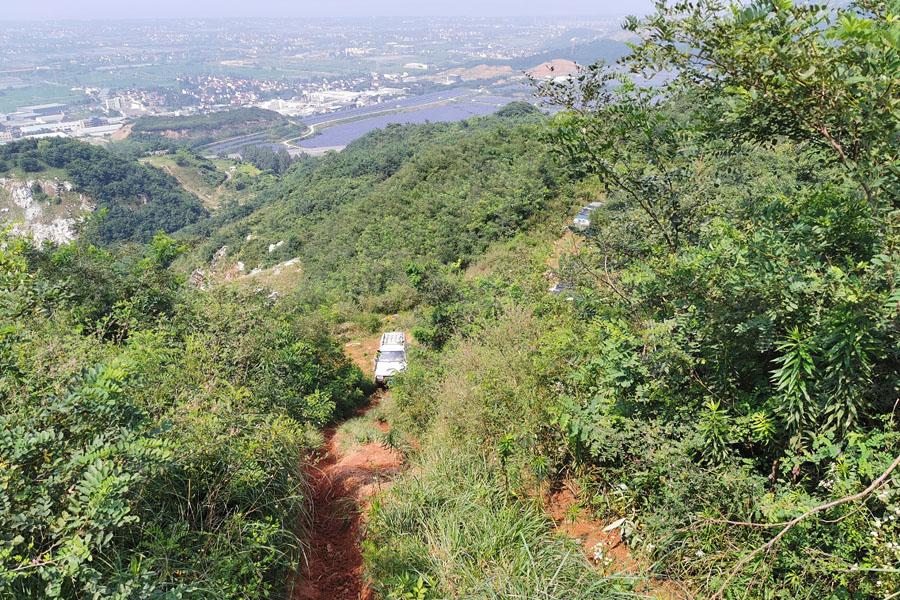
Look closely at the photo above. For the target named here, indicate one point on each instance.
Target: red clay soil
(362, 352)
(615, 556)
(342, 483)
(122, 133)
(590, 533)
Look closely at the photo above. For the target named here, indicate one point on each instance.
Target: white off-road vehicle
(391, 357)
(583, 220)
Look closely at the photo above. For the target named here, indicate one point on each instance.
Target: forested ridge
(711, 400)
(201, 129)
(439, 192)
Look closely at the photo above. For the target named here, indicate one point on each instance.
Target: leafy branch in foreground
(879, 481)
(812, 72)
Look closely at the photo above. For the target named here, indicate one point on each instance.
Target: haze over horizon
(106, 9)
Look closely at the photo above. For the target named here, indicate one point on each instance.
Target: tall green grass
(357, 432)
(448, 529)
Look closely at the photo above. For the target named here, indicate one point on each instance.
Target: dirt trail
(342, 483)
(362, 352)
(566, 245)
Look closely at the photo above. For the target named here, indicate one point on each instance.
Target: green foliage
(134, 201)
(811, 72)
(517, 109)
(38, 193)
(231, 122)
(172, 466)
(209, 174)
(451, 531)
(652, 156)
(764, 322)
(72, 467)
(437, 193)
(266, 159)
(729, 356)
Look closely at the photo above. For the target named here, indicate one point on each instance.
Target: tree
(654, 157)
(812, 72)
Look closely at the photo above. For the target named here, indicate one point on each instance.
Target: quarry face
(51, 216)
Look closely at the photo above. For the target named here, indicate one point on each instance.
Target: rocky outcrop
(51, 218)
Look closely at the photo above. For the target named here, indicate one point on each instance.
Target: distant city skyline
(108, 9)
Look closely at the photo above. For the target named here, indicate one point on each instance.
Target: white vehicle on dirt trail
(583, 220)
(391, 357)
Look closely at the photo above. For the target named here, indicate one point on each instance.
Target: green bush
(174, 464)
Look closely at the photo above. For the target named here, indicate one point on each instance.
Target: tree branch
(790, 524)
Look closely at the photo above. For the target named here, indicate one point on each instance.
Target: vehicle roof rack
(393, 338)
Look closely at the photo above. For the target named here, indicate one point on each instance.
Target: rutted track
(342, 483)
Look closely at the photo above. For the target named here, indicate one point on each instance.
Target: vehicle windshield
(395, 355)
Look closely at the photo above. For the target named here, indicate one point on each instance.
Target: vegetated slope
(134, 201)
(722, 386)
(198, 130)
(439, 192)
(154, 439)
(196, 175)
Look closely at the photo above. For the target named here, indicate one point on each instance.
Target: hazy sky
(116, 9)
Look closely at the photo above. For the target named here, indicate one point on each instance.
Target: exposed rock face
(218, 257)
(198, 279)
(46, 220)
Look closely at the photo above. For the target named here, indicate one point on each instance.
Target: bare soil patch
(122, 133)
(362, 352)
(554, 68)
(605, 550)
(574, 523)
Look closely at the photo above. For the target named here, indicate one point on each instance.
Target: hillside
(215, 182)
(706, 409)
(440, 192)
(202, 129)
(133, 201)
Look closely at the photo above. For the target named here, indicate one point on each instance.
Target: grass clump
(448, 529)
(358, 432)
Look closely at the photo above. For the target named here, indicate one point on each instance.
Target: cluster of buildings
(325, 100)
(130, 102)
(216, 90)
(293, 98)
(49, 120)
